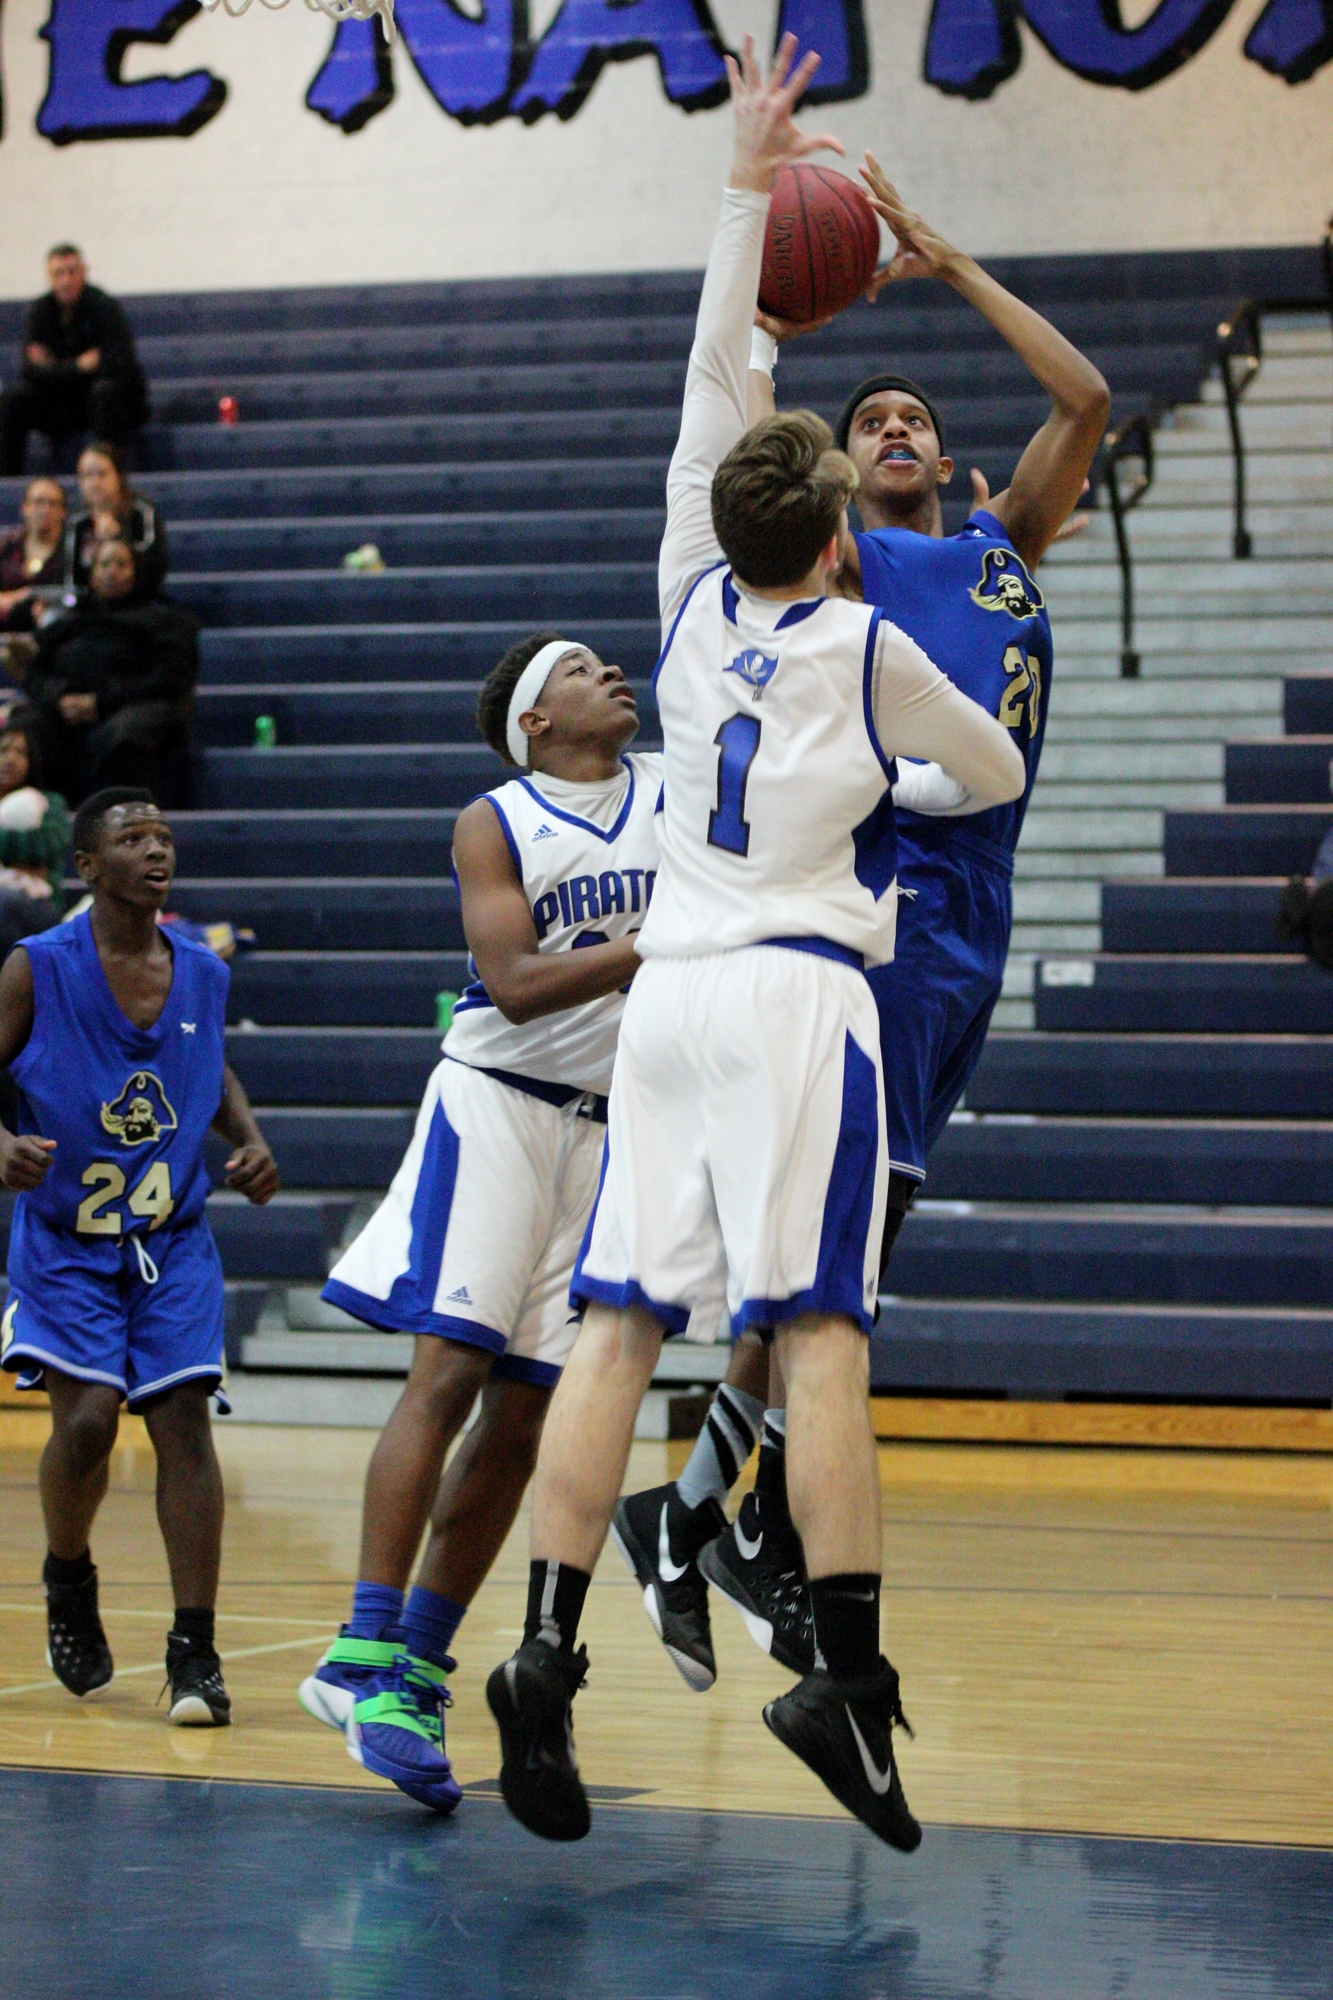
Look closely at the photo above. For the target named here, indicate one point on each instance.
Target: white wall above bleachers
(266, 191)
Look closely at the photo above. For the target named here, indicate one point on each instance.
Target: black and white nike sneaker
(759, 1564)
(531, 1696)
(660, 1538)
(844, 1731)
(199, 1700)
(76, 1645)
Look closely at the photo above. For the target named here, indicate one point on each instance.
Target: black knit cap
(871, 387)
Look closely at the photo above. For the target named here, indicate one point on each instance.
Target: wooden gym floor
(1136, 1645)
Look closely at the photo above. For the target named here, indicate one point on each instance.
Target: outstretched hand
(922, 252)
(766, 137)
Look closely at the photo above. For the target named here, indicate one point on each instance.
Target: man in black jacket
(80, 372)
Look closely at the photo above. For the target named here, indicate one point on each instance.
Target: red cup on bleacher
(229, 410)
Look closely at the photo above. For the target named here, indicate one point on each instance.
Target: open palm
(766, 134)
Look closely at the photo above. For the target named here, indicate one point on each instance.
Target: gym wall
(188, 150)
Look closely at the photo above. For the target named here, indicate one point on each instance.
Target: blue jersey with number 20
(971, 605)
(127, 1107)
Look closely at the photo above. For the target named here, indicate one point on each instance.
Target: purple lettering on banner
(587, 34)
(1292, 38)
(469, 66)
(837, 30)
(85, 96)
(973, 45)
(355, 81)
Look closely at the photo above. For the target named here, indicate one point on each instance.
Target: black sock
(555, 1603)
(770, 1482)
(56, 1570)
(846, 1612)
(197, 1625)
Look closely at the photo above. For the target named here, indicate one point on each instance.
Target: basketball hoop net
(337, 10)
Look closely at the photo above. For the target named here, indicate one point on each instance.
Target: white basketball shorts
(477, 1237)
(746, 1145)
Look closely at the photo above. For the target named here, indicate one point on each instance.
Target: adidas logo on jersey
(462, 1297)
(545, 832)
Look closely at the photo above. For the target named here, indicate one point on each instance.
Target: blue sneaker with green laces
(344, 1674)
(397, 1730)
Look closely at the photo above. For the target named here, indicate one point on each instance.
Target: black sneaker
(844, 1731)
(76, 1648)
(660, 1538)
(194, 1675)
(759, 1564)
(530, 1697)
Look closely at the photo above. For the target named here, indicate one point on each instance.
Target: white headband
(530, 684)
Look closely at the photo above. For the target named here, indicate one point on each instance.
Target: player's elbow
(1010, 774)
(1092, 404)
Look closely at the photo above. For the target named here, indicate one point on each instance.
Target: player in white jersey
(746, 1139)
(473, 1247)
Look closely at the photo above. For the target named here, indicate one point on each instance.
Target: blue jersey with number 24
(127, 1107)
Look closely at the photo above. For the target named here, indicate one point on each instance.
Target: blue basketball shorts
(935, 999)
(102, 1312)
(476, 1238)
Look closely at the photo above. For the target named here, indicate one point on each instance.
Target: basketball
(821, 247)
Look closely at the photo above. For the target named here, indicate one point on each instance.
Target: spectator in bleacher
(32, 557)
(34, 840)
(113, 511)
(112, 685)
(80, 371)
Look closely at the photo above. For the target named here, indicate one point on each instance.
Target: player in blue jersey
(971, 603)
(113, 1030)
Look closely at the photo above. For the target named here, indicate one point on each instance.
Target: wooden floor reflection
(1125, 1642)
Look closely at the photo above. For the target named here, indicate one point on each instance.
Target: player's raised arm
(252, 1169)
(25, 1160)
(523, 981)
(1051, 473)
(714, 415)
(920, 713)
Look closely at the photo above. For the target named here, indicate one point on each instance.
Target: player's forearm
(235, 1121)
(714, 414)
(1074, 385)
(920, 713)
(533, 984)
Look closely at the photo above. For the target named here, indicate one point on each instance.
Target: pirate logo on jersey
(755, 669)
(1006, 586)
(141, 1114)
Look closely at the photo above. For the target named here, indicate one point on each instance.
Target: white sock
(723, 1445)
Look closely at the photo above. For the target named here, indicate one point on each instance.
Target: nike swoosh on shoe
(878, 1781)
(670, 1572)
(749, 1549)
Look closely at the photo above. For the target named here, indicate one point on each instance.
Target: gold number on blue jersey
(1021, 684)
(1034, 704)
(108, 1184)
(152, 1197)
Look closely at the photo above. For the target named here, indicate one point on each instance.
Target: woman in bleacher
(112, 684)
(113, 511)
(32, 555)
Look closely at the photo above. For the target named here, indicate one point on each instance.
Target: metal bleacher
(1134, 1200)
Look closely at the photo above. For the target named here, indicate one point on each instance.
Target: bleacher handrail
(1237, 352)
(1132, 439)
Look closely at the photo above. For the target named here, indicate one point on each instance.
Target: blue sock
(429, 1623)
(375, 1606)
